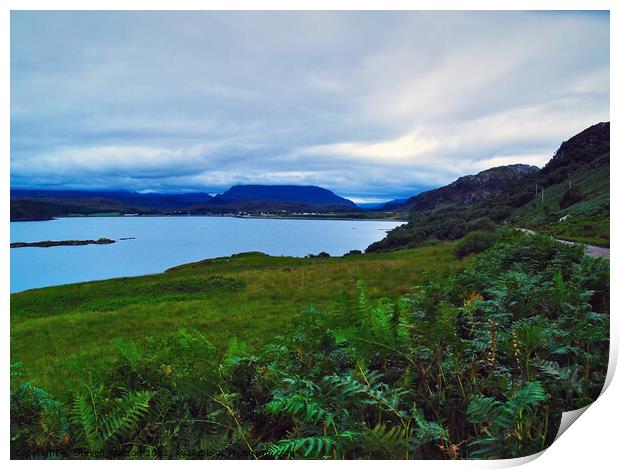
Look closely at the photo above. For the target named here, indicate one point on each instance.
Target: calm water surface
(163, 242)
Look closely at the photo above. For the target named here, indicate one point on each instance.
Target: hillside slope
(568, 198)
(471, 188)
(575, 203)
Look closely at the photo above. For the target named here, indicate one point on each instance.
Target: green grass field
(58, 332)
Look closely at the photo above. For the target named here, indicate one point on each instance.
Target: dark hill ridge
(589, 147)
(290, 194)
(127, 198)
(45, 204)
(465, 190)
(587, 150)
(471, 188)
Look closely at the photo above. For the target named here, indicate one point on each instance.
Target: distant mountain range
(291, 196)
(46, 204)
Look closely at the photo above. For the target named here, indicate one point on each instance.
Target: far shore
(272, 216)
(315, 217)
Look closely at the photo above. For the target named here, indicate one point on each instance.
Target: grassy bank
(57, 332)
(586, 221)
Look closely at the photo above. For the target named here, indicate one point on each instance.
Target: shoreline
(317, 218)
(361, 219)
(183, 265)
(381, 226)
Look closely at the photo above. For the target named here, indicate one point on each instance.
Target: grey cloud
(369, 104)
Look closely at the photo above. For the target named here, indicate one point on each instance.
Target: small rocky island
(49, 243)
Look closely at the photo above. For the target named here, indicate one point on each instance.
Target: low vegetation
(475, 242)
(475, 363)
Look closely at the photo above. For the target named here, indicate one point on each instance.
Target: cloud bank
(373, 105)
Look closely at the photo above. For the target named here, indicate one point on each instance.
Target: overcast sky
(370, 105)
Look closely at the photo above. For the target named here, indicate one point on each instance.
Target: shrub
(499, 213)
(483, 224)
(570, 197)
(430, 242)
(474, 242)
(517, 199)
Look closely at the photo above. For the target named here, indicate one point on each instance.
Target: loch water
(155, 244)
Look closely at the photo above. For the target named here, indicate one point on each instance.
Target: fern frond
(85, 416)
(481, 408)
(531, 394)
(304, 408)
(216, 445)
(311, 446)
(427, 431)
(125, 416)
(549, 369)
(391, 442)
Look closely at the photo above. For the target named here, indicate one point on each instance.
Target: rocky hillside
(571, 198)
(587, 150)
(472, 188)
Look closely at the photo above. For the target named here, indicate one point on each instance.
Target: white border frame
(590, 443)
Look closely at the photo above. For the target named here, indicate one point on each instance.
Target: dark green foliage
(474, 242)
(498, 421)
(446, 223)
(589, 148)
(104, 423)
(480, 364)
(570, 197)
(39, 425)
(482, 224)
(179, 378)
(353, 252)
